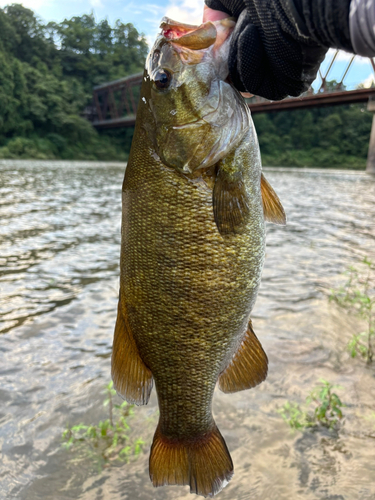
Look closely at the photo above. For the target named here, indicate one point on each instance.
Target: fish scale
(186, 311)
(190, 272)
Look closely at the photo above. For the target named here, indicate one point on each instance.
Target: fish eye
(162, 79)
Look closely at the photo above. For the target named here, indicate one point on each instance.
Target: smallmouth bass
(193, 241)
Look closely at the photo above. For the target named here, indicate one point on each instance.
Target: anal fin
(272, 207)
(248, 367)
(131, 377)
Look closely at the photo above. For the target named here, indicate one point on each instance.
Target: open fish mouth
(189, 36)
(197, 37)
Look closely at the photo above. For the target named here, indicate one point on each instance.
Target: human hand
(273, 52)
(213, 15)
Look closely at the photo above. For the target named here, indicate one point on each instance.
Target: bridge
(115, 103)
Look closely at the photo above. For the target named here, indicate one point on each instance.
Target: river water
(59, 276)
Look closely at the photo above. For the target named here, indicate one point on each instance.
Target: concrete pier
(371, 148)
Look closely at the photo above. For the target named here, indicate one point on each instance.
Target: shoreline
(118, 164)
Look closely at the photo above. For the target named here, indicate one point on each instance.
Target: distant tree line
(48, 71)
(317, 137)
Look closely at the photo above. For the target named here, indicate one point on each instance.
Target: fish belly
(187, 290)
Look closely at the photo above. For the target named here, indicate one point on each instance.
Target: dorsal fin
(248, 367)
(272, 207)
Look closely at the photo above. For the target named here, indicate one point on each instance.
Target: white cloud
(346, 56)
(368, 82)
(150, 39)
(187, 11)
(149, 8)
(96, 3)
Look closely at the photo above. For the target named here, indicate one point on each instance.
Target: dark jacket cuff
(362, 24)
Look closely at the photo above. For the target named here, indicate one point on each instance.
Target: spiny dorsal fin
(272, 207)
(248, 367)
(230, 203)
(131, 377)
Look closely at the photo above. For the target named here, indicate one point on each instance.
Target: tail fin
(203, 463)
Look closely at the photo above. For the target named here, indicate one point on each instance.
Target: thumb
(213, 15)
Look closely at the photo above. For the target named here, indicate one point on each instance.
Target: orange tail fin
(202, 463)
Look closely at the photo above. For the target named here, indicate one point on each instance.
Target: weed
(357, 296)
(294, 416)
(109, 439)
(328, 405)
(327, 411)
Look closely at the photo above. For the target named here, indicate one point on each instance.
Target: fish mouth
(189, 36)
(196, 37)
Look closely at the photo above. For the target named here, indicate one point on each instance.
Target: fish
(194, 202)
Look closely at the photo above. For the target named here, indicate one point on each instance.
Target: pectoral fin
(131, 377)
(230, 203)
(272, 207)
(248, 367)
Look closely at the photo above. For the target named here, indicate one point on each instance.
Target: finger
(213, 15)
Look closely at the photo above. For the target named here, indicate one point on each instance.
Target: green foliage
(46, 81)
(48, 72)
(294, 416)
(328, 405)
(109, 439)
(326, 413)
(318, 137)
(357, 296)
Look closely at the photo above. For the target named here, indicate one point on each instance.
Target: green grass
(326, 409)
(107, 441)
(357, 296)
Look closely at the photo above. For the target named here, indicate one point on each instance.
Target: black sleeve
(362, 27)
(278, 45)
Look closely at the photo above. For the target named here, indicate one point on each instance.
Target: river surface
(59, 280)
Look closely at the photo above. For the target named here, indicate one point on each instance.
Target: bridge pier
(370, 168)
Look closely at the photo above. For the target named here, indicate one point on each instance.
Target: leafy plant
(357, 296)
(109, 439)
(327, 411)
(294, 416)
(328, 405)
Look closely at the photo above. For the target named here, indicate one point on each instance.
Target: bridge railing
(116, 102)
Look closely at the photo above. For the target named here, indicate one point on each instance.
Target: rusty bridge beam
(314, 100)
(125, 121)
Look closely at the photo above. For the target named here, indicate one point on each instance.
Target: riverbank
(90, 146)
(114, 146)
(76, 164)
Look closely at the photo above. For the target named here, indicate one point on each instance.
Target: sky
(146, 15)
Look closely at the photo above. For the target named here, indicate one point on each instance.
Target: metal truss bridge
(115, 103)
